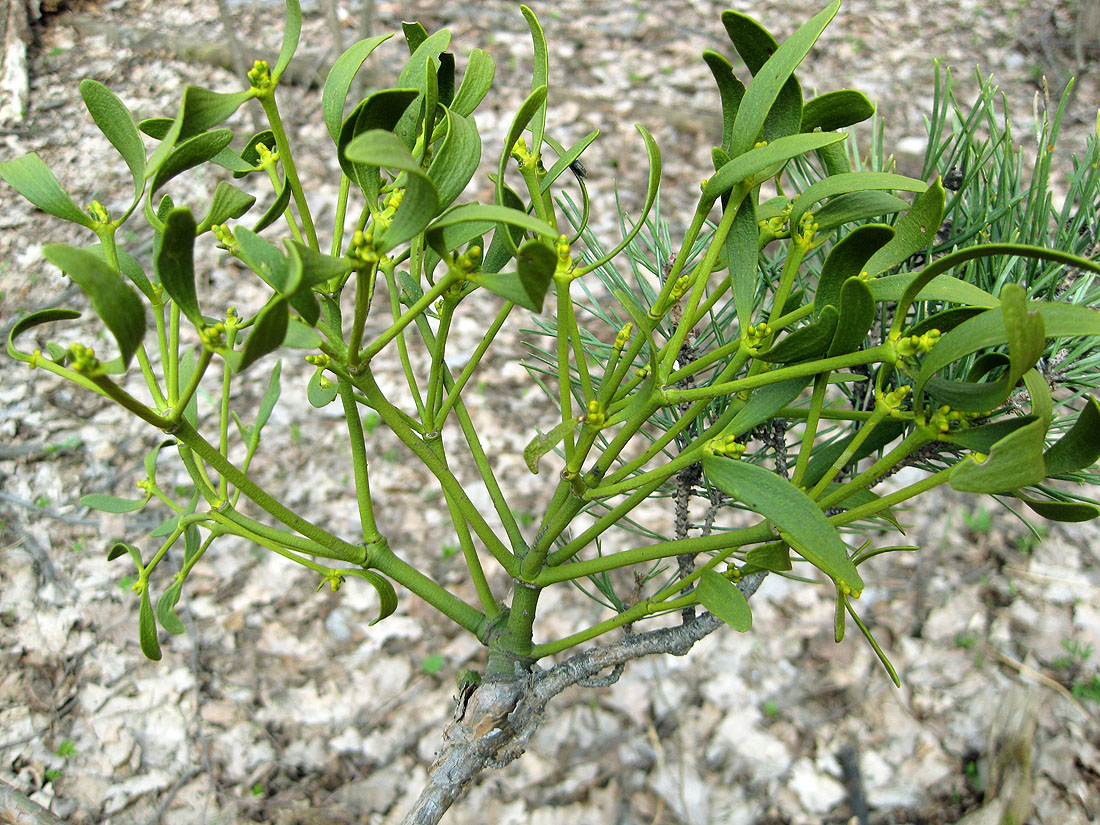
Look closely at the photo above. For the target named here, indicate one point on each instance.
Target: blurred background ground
(280, 704)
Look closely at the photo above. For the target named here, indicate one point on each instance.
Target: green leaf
(229, 203)
(526, 287)
(476, 82)
(120, 548)
(382, 110)
(415, 76)
(317, 395)
(415, 34)
(117, 305)
(300, 336)
(1067, 511)
(836, 110)
(742, 254)
(724, 599)
(775, 557)
(800, 520)
(268, 332)
(32, 179)
(265, 259)
(275, 211)
(113, 504)
(763, 404)
(420, 202)
(455, 162)
(166, 613)
(270, 399)
(190, 542)
(730, 91)
(387, 596)
(857, 315)
(981, 439)
(540, 74)
(339, 80)
(653, 154)
(848, 258)
(175, 263)
(756, 46)
(309, 267)
(292, 31)
(200, 109)
(988, 330)
(810, 341)
(912, 233)
(743, 167)
(846, 184)
(856, 206)
(501, 251)
(250, 154)
(565, 158)
(151, 457)
(773, 77)
(459, 225)
(147, 627)
(189, 154)
(1079, 448)
(117, 124)
(941, 288)
(543, 443)
(1014, 461)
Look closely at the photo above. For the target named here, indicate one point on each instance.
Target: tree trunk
(15, 36)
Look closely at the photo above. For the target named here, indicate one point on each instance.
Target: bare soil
(281, 705)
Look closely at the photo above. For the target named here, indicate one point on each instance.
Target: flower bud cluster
(942, 419)
(318, 359)
(98, 212)
(894, 399)
(362, 250)
(774, 226)
(259, 76)
(83, 360)
(623, 336)
(521, 153)
(913, 344)
(807, 228)
(596, 416)
(726, 445)
(755, 335)
(224, 236)
(212, 335)
(679, 288)
(469, 259)
(265, 156)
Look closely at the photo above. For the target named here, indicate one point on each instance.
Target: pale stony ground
(281, 705)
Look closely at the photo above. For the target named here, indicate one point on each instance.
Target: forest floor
(281, 705)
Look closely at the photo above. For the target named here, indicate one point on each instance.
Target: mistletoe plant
(803, 341)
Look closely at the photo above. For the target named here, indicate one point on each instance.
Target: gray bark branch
(493, 728)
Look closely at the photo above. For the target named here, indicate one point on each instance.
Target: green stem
(875, 507)
(821, 383)
(751, 382)
(336, 547)
(341, 213)
(192, 385)
(474, 361)
(410, 315)
(385, 561)
(359, 462)
(368, 386)
(912, 442)
(364, 283)
(275, 120)
(861, 435)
